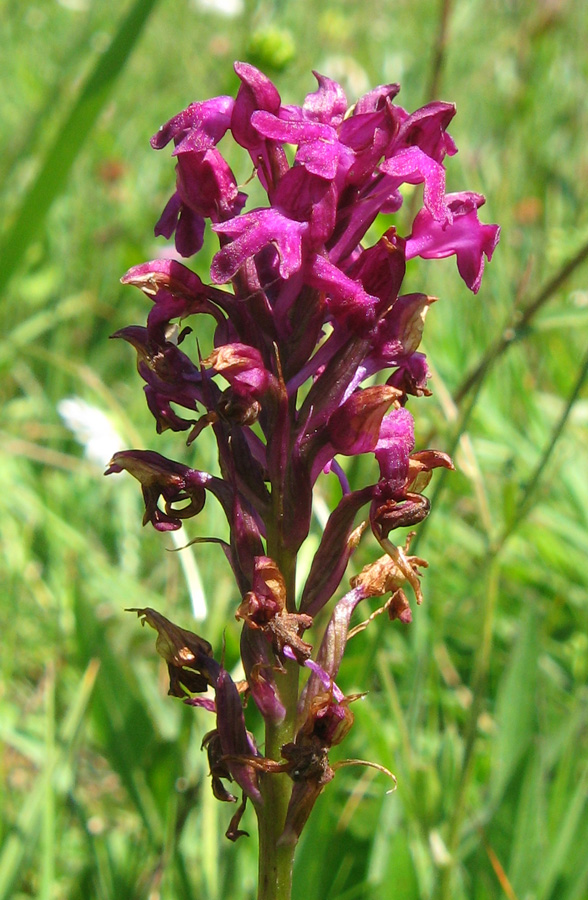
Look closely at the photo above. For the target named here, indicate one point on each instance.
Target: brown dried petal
(379, 577)
(286, 629)
(410, 311)
(404, 513)
(399, 608)
(354, 427)
(420, 466)
(233, 832)
(177, 646)
(189, 657)
(268, 574)
(390, 573)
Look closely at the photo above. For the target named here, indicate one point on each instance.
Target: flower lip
(161, 477)
(188, 656)
(466, 237)
(200, 126)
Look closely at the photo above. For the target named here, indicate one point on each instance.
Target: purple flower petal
(395, 443)
(338, 542)
(203, 702)
(207, 185)
(189, 232)
(252, 232)
(233, 735)
(376, 99)
(381, 268)
(293, 129)
(467, 238)
(325, 679)
(412, 376)
(166, 224)
(257, 93)
(328, 103)
(346, 298)
(318, 147)
(332, 647)
(198, 127)
(243, 368)
(161, 477)
(170, 374)
(176, 292)
(355, 426)
(398, 333)
(259, 664)
(426, 129)
(412, 166)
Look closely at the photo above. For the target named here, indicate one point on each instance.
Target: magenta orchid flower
(305, 314)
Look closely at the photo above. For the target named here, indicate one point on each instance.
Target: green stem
(276, 860)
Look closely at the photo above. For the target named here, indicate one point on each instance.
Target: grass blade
(70, 139)
(515, 706)
(23, 839)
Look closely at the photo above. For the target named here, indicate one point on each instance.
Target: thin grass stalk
(49, 805)
(525, 502)
(437, 63)
(521, 320)
(19, 845)
(444, 890)
(439, 50)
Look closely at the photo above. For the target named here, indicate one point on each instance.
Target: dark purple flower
(257, 93)
(205, 185)
(356, 426)
(412, 166)
(412, 375)
(189, 657)
(236, 743)
(427, 129)
(250, 233)
(199, 127)
(310, 310)
(243, 368)
(395, 443)
(160, 477)
(328, 104)
(176, 292)
(318, 145)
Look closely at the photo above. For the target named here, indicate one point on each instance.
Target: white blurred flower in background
(228, 8)
(93, 430)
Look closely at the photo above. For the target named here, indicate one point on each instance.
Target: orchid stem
(276, 860)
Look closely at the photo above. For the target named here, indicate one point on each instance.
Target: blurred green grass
(481, 706)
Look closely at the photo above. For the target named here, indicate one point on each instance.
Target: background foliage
(481, 706)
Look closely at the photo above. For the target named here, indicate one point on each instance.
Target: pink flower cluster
(309, 316)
